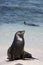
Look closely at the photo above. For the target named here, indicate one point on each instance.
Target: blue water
(14, 11)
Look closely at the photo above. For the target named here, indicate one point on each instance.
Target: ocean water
(14, 11)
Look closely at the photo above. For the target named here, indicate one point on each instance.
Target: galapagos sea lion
(16, 50)
(30, 24)
(17, 47)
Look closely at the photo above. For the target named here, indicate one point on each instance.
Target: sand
(37, 61)
(33, 44)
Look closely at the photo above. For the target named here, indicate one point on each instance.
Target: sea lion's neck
(19, 38)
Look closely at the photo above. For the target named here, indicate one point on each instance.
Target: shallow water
(33, 35)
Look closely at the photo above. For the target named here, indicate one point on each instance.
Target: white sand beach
(33, 43)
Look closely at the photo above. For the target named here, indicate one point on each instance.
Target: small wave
(14, 7)
(20, 13)
(22, 8)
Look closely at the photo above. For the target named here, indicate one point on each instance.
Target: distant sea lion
(30, 24)
(16, 51)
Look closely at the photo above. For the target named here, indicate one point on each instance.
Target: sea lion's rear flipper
(27, 55)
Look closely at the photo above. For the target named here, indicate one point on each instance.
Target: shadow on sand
(23, 59)
(18, 64)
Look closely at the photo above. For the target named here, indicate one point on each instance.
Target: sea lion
(17, 47)
(16, 51)
(30, 24)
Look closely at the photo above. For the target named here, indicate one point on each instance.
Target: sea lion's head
(21, 33)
